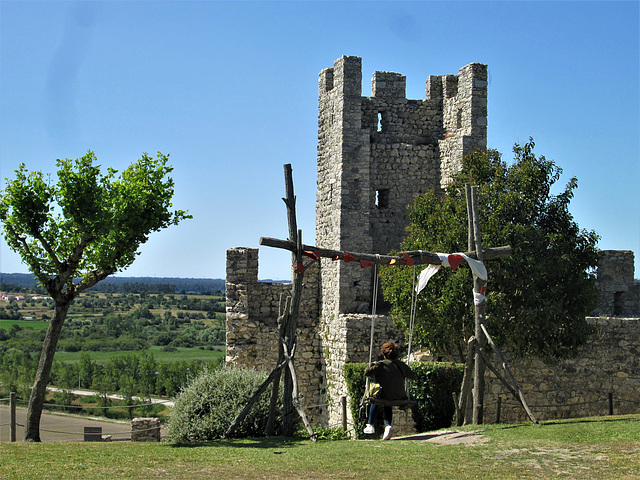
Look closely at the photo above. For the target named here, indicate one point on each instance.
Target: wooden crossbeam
(418, 256)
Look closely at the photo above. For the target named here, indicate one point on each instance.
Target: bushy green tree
(75, 232)
(16, 370)
(539, 296)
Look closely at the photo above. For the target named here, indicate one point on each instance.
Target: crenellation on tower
(389, 85)
(325, 84)
(347, 74)
(434, 88)
(449, 86)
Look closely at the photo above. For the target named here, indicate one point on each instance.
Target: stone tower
(375, 154)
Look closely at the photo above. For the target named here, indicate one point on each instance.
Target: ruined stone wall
(577, 387)
(252, 330)
(608, 364)
(619, 294)
(374, 155)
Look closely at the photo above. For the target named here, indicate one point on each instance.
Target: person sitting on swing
(390, 373)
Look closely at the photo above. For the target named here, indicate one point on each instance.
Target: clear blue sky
(229, 89)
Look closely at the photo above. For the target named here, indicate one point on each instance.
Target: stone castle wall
(323, 347)
(578, 387)
(608, 364)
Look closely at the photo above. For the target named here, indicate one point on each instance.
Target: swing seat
(405, 403)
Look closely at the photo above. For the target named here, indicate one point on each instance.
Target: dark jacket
(390, 374)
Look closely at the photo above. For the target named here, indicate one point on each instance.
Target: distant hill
(131, 284)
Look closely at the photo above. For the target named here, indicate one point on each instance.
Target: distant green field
(158, 353)
(6, 324)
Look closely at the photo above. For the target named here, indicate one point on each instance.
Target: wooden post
(458, 414)
(12, 410)
(283, 311)
(287, 330)
(478, 286)
(343, 402)
(290, 326)
(464, 404)
(610, 403)
(294, 394)
(466, 401)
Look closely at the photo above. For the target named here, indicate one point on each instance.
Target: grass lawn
(158, 353)
(596, 448)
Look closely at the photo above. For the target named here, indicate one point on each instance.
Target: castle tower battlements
(375, 154)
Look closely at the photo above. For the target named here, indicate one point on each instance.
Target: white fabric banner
(478, 268)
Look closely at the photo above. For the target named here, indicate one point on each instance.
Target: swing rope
(414, 307)
(412, 315)
(374, 306)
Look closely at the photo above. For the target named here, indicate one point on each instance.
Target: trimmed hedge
(432, 389)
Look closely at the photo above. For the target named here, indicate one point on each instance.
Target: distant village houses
(7, 297)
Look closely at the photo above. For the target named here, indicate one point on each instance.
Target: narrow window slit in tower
(618, 303)
(379, 121)
(382, 198)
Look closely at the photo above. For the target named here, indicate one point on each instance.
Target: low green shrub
(432, 390)
(324, 433)
(209, 402)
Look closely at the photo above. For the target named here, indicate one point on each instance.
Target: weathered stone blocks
(145, 430)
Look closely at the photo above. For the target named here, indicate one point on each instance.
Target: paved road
(88, 393)
(63, 428)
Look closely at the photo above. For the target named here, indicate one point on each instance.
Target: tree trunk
(36, 399)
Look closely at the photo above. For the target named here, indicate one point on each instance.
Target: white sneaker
(369, 429)
(387, 432)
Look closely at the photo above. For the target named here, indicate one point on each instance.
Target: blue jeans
(388, 414)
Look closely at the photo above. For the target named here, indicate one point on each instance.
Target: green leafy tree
(87, 368)
(538, 297)
(74, 233)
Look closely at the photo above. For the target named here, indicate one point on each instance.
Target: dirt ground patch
(448, 437)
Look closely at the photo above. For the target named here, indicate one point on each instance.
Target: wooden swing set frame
(289, 310)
